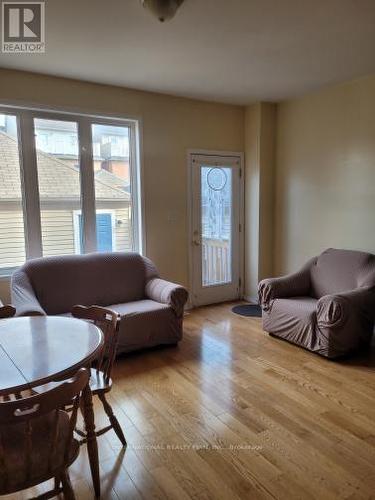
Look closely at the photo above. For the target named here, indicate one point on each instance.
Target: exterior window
(59, 190)
(113, 185)
(76, 190)
(12, 235)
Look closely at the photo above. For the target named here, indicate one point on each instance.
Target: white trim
(29, 186)
(221, 155)
(252, 300)
(135, 187)
(87, 179)
(242, 222)
(141, 186)
(77, 243)
(21, 105)
(215, 152)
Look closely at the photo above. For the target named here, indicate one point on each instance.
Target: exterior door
(215, 228)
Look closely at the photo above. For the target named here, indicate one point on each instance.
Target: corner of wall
(260, 131)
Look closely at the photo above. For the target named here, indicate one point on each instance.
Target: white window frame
(29, 175)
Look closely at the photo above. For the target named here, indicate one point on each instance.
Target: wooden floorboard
(232, 413)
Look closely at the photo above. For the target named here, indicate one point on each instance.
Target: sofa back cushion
(102, 279)
(341, 270)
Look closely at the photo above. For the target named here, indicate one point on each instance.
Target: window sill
(7, 275)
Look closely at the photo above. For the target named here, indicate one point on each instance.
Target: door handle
(197, 242)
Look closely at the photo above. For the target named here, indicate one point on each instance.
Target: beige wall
(325, 186)
(260, 130)
(170, 125)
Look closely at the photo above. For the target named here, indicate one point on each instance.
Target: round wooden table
(37, 350)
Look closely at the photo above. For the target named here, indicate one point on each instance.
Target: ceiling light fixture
(162, 9)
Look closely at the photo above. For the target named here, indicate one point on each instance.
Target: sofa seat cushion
(146, 323)
(293, 319)
(138, 307)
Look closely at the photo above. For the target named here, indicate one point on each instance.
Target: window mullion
(87, 186)
(135, 192)
(29, 176)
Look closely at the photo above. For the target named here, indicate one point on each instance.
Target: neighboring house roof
(57, 180)
(112, 180)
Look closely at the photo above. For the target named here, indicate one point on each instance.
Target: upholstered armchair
(327, 307)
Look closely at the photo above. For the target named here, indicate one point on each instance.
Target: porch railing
(216, 262)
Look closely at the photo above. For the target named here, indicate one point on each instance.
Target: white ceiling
(235, 51)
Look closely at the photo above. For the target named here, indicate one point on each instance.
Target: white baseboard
(252, 300)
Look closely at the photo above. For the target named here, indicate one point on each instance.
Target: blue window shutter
(104, 232)
(104, 239)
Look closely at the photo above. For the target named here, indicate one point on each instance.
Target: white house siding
(58, 231)
(57, 234)
(12, 240)
(123, 232)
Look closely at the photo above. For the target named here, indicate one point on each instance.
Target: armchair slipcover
(328, 306)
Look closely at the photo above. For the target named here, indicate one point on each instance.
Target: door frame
(223, 154)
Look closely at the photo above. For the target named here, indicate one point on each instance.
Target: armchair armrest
(167, 293)
(23, 296)
(292, 285)
(333, 310)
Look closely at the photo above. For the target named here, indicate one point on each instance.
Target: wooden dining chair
(36, 438)
(100, 379)
(6, 311)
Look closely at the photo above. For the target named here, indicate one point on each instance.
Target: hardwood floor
(232, 413)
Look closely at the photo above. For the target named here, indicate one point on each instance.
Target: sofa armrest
(333, 310)
(167, 293)
(23, 296)
(292, 285)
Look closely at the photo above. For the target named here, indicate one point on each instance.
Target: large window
(68, 184)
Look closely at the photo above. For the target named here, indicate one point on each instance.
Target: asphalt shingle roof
(57, 180)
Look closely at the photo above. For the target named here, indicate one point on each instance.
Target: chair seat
(41, 468)
(301, 308)
(292, 319)
(146, 323)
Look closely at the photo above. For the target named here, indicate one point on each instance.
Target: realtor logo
(23, 27)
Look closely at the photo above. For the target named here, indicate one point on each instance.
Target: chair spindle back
(108, 321)
(26, 414)
(6, 311)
